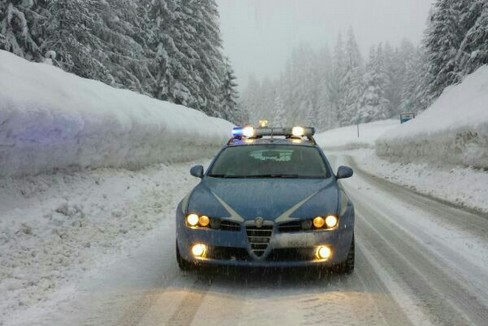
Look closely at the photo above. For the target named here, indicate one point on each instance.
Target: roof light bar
(250, 132)
(300, 132)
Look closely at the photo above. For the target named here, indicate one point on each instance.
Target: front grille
(295, 226)
(229, 226)
(228, 253)
(259, 238)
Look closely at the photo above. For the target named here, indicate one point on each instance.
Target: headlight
(204, 220)
(323, 223)
(331, 221)
(192, 219)
(318, 222)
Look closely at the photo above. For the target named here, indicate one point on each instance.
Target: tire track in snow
(443, 296)
(190, 304)
(374, 284)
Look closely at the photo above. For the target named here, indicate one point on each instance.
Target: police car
(268, 199)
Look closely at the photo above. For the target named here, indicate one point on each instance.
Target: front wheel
(347, 267)
(183, 264)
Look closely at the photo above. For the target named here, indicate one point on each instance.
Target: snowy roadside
(55, 227)
(75, 122)
(461, 186)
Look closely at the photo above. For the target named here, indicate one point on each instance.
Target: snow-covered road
(418, 262)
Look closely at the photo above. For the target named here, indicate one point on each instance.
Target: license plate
(293, 241)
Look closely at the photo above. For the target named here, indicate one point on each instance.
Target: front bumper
(283, 249)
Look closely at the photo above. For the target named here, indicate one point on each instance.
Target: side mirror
(197, 171)
(344, 172)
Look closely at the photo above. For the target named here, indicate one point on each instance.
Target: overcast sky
(259, 35)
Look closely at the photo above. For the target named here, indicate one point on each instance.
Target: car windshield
(269, 161)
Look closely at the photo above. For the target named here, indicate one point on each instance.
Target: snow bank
(50, 119)
(465, 187)
(453, 130)
(56, 227)
(347, 137)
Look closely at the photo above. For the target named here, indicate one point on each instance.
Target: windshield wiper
(225, 176)
(291, 176)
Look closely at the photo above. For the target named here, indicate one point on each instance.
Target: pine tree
(250, 99)
(122, 30)
(94, 39)
(170, 49)
(443, 39)
(19, 32)
(71, 37)
(279, 115)
(473, 51)
(334, 87)
(414, 93)
(325, 72)
(374, 104)
(394, 64)
(230, 95)
(202, 17)
(169, 39)
(351, 84)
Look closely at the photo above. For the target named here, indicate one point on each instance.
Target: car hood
(272, 199)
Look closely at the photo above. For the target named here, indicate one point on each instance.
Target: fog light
(318, 222)
(324, 252)
(198, 250)
(331, 221)
(192, 219)
(204, 220)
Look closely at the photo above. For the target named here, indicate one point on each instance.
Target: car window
(267, 161)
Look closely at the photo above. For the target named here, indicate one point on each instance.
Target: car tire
(347, 267)
(183, 264)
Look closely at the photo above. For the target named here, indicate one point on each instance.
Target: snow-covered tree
(71, 37)
(230, 95)
(95, 40)
(174, 56)
(279, 114)
(443, 39)
(170, 49)
(414, 92)
(250, 98)
(334, 87)
(473, 51)
(374, 105)
(394, 66)
(201, 17)
(352, 82)
(19, 28)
